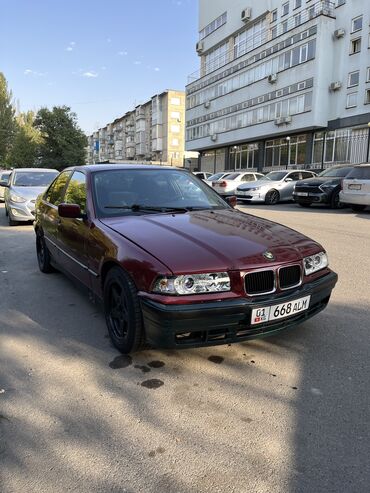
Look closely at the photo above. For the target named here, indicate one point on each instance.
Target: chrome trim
(72, 258)
(300, 265)
(265, 292)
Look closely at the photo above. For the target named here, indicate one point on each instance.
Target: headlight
(315, 262)
(328, 186)
(193, 284)
(253, 189)
(16, 198)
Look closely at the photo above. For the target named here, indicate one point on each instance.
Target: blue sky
(100, 58)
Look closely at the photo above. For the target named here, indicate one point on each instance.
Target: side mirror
(232, 201)
(288, 179)
(72, 211)
(4, 183)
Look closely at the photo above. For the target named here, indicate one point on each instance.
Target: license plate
(354, 187)
(241, 193)
(302, 194)
(283, 310)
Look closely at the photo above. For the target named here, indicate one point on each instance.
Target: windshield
(274, 176)
(232, 176)
(336, 172)
(215, 177)
(360, 173)
(129, 191)
(33, 178)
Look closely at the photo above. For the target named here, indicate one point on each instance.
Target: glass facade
(244, 156)
(285, 152)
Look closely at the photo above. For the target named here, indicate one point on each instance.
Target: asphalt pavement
(287, 414)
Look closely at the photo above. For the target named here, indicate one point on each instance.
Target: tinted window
(76, 190)
(307, 174)
(116, 191)
(232, 176)
(215, 177)
(274, 176)
(336, 172)
(361, 173)
(56, 191)
(33, 178)
(5, 175)
(294, 176)
(248, 178)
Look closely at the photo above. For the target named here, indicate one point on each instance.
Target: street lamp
(368, 144)
(287, 139)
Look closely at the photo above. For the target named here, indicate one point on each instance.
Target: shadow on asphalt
(293, 207)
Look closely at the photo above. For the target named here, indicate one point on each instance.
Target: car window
(336, 172)
(248, 178)
(294, 176)
(33, 178)
(274, 176)
(54, 195)
(76, 190)
(232, 176)
(360, 173)
(5, 176)
(307, 174)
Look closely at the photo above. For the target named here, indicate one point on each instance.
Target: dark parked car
(174, 264)
(323, 189)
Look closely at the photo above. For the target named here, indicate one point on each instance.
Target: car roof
(91, 168)
(363, 165)
(41, 170)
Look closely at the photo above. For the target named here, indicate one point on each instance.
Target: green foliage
(7, 120)
(27, 142)
(64, 143)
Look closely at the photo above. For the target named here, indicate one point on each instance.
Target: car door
(73, 233)
(47, 212)
(286, 192)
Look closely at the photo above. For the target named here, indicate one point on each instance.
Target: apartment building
(154, 131)
(281, 83)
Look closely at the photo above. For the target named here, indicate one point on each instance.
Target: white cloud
(109, 40)
(72, 43)
(137, 62)
(29, 71)
(157, 69)
(69, 48)
(122, 53)
(90, 74)
(103, 67)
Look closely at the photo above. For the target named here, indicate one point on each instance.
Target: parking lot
(288, 413)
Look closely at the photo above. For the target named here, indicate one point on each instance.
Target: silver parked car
(216, 177)
(227, 186)
(272, 188)
(22, 190)
(356, 188)
(4, 177)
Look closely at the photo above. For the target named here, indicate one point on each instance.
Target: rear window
(232, 176)
(360, 173)
(336, 172)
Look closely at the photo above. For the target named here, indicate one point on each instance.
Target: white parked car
(216, 177)
(202, 175)
(356, 188)
(229, 184)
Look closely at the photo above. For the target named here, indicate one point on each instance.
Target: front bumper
(223, 322)
(251, 196)
(21, 211)
(312, 198)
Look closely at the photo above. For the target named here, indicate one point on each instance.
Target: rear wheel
(122, 311)
(43, 254)
(358, 207)
(272, 197)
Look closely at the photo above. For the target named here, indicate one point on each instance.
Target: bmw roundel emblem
(268, 255)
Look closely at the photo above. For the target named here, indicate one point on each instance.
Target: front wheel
(272, 197)
(358, 207)
(43, 254)
(122, 311)
(11, 222)
(335, 202)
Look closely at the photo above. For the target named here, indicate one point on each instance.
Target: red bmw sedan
(174, 264)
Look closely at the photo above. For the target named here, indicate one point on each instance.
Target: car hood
(29, 193)
(258, 183)
(320, 180)
(211, 241)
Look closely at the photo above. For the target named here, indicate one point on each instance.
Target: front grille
(260, 282)
(290, 276)
(313, 189)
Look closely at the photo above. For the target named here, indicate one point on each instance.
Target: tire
(11, 222)
(334, 201)
(304, 205)
(122, 311)
(43, 254)
(6, 212)
(358, 207)
(272, 197)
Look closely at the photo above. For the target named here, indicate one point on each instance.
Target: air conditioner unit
(272, 78)
(246, 14)
(214, 137)
(283, 120)
(207, 104)
(199, 47)
(335, 86)
(339, 33)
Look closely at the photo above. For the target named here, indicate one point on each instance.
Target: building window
(367, 96)
(176, 115)
(216, 58)
(357, 24)
(353, 79)
(340, 2)
(285, 9)
(250, 38)
(175, 101)
(285, 152)
(351, 100)
(297, 4)
(368, 75)
(175, 129)
(355, 46)
(212, 26)
(274, 33)
(175, 142)
(297, 20)
(244, 156)
(274, 15)
(285, 26)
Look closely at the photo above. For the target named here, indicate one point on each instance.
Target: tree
(27, 142)
(7, 120)
(64, 143)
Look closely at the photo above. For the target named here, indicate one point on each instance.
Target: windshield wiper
(138, 207)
